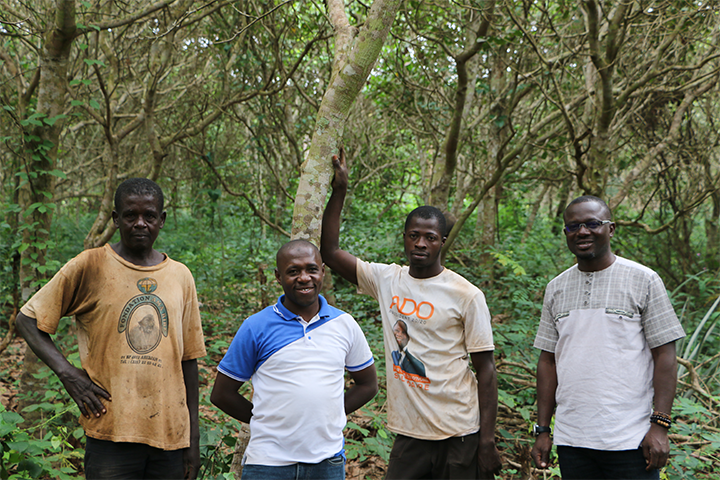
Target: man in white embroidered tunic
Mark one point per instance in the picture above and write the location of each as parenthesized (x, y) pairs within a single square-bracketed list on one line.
[(607, 339)]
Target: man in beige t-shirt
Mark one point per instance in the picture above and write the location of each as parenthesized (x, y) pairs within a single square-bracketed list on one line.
[(139, 337), (443, 414)]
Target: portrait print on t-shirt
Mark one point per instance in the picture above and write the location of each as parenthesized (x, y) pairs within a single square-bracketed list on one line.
[(144, 319), (404, 362)]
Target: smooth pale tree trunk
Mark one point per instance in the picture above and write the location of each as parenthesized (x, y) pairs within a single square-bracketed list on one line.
[(355, 56)]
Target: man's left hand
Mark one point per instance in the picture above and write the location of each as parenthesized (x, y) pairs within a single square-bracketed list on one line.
[(191, 460), (656, 447), (489, 462)]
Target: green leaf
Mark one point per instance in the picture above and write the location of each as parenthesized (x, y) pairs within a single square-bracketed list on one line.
[(34, 119), (51, 121), (94, 104), (357, 427), (77, 103), (91, 62), (33, 469)]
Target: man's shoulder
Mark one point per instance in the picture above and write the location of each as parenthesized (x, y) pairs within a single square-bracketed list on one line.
[(459, 284), (377, 266), (90, 258), (456, 277), (564, 276), (262, 316), (623, 264), (179, 266)]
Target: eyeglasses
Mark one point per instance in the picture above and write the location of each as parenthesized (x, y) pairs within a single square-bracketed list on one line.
[(591, 225)]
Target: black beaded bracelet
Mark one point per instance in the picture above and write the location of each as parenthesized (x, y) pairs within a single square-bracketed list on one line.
[(662, 420)]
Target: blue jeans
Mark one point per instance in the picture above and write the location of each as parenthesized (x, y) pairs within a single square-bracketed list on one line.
[(329, 469), (585, 463), (106, 460)]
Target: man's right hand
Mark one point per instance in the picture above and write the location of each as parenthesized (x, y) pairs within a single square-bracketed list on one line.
[(86, 393), (340, 181), (541, 450)]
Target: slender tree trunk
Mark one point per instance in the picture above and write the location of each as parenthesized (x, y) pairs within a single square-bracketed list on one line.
[(40, 156), (447, 160), (354, 59)]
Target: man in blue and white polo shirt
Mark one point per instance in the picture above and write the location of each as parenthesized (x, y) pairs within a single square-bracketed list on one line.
[(296, 353)]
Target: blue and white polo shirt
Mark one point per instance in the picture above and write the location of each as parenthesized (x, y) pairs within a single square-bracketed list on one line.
[(297, 370)]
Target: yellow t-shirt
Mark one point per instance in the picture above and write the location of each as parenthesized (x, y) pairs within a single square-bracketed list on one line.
[(135, 326), (432, 393)]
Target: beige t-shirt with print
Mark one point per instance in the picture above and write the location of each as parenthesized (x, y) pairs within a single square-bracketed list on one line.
[(135, 327), (446, 318)]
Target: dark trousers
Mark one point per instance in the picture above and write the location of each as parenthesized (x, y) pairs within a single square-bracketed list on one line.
[(585, 463), (454, 457), (106, 460)]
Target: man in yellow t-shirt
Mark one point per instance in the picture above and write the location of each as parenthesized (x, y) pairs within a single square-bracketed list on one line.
[(443, 414), (139, 337)]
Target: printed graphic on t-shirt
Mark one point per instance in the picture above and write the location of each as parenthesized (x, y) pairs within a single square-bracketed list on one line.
[(407, 367), (144, 319), (409, 310)]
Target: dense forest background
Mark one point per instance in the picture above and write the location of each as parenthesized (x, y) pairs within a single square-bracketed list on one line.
[(499, 112)]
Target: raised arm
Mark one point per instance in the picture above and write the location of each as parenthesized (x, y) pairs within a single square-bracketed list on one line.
[(340, 261), (655, 445), (365, 388), (489, 462), (546, 387), (226, 397), (86, 393)]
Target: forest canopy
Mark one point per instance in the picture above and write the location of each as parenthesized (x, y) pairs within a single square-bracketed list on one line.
[(498, 112)]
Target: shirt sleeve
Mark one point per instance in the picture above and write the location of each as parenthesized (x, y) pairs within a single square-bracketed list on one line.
[(478, 329), (660, 323), (547, 335), (193, 338), (359, 355), (58, 298), (241, 358), (367, 280)]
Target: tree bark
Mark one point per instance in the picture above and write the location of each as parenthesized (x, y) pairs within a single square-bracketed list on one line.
[(447, 161), (40, 158), (353, 62)]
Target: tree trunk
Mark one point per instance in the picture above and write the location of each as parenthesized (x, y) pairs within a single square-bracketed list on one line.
[(447, 160), (40, 156), (354, 59)]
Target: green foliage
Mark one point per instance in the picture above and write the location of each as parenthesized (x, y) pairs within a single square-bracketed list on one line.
[(217, 442), (362, 442), (25, 456)]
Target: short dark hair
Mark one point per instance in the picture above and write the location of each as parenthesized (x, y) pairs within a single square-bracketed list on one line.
[(141, 187), (427, 212), (403, 326), (292, 244), (591, 198)]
